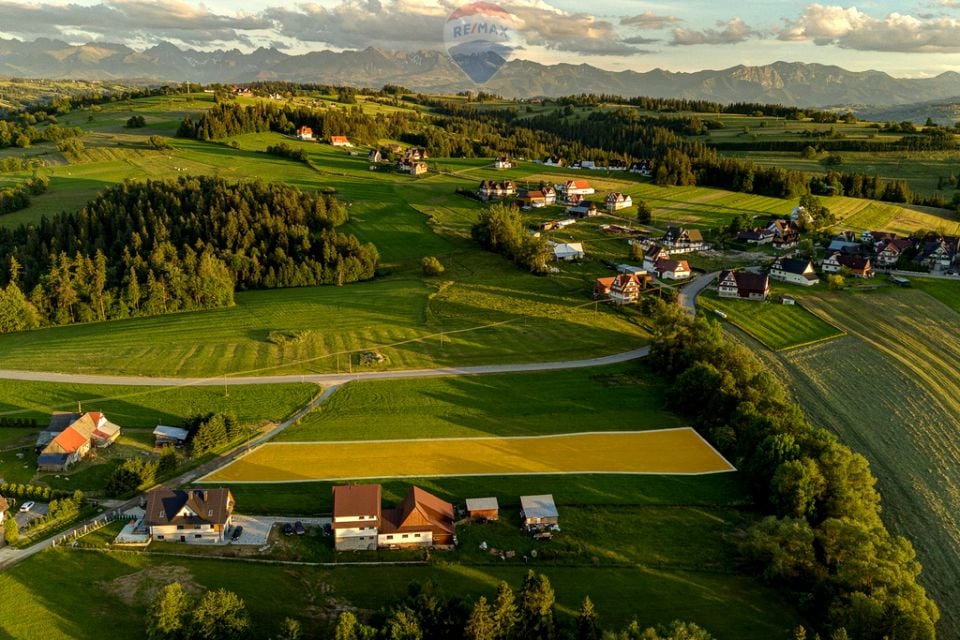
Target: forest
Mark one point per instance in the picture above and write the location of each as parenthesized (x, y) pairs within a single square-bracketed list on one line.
[(146, 248), (822, 538)]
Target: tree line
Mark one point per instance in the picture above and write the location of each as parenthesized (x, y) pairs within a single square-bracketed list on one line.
[(18, 197), (21, 134), (500, 229), (425, 612), (822, 538), (146, 248)]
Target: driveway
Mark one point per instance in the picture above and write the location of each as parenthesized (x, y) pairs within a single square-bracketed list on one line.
[(26, 517), (256, 529)]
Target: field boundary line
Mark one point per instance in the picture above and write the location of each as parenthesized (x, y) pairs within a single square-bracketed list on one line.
[(453, 438)]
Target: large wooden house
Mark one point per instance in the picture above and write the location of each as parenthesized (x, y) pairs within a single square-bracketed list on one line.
[(622, 289), (858, 266), (892, 251), (617, 201), (684, 239), (794, 270), (743, 285), (193, 516), (71, 436), (420, 520)]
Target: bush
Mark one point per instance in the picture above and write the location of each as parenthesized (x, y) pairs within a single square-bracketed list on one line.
[(432, 266), (136, 122), (11, 532)]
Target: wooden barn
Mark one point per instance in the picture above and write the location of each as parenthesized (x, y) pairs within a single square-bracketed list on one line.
[(483, 509)]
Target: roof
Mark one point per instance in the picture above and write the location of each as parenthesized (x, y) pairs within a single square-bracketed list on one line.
[(793, 265), (854, 262), (672, 265), (578, 184), (418, 511), (482, 504), (60, 420), (571, 247), (196, 506), (538, 506), (338, 138), (106, 431), (749, 282), (356, 500), (52, 458), (605, 284), (175, 433), (69, 440)]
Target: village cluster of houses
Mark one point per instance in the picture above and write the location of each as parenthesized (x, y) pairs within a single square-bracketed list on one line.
[(643, 167)]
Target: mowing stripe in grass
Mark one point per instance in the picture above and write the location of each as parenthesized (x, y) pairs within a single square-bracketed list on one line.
[(675, 451)]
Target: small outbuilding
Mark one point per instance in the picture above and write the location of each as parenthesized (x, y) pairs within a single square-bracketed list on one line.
[(483, 509), (169, 436), (538, 511)]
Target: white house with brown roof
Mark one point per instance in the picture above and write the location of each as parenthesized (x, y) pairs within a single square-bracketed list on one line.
[(340, 141), (577, 188), (794, 270), (503, 162), (680, 239), (356, 516), (670, 269), (359, 523), (617, 201), (622, 289), (743, 285), (196, 516), (304, 133)]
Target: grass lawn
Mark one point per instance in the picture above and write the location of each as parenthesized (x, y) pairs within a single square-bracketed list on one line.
[(779, 327), (622, 397), (890, 391)]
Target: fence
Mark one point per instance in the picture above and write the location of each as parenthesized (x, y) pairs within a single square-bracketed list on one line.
[(89, 527)]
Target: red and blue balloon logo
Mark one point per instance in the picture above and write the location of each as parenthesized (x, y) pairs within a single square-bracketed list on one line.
[(480, 38)]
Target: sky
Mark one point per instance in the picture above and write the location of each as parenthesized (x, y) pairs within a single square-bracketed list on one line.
[(906, 38)]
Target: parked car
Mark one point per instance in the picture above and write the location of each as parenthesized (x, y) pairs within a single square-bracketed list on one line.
[(26, 506), (328, 529), (298, 528), (287, 529), (237, 532)]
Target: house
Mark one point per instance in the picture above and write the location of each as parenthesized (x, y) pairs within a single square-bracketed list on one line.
[(583, 209), (415, 153), (788, 240), (553, 161), (340, 141), (891, 252), (483, 509), (680, 238), (192, 516), (420, 520), (653, 255), (71, 436), (375, 156), (672, 269), (394, 148), (794, 270), (533, 199), (643, 168), (756, 236), (858, 266), (356, 516), (568, 252), (844, 246), (741, 284), (304, 133), (617, 165), (169, 436), (621, 289), (617, 201), (937, 253), (412, 167), (4, 506), (503, 162), (493, 190), (538, 512), (549, 193), (577, 188), (588, 164)]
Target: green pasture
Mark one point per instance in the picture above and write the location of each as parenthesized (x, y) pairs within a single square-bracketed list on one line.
[(777, 326)]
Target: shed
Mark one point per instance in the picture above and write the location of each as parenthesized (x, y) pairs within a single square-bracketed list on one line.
[(165, 436), (483, 508), (538, 511)]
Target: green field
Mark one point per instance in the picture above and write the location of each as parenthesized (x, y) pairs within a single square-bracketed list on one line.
[(779, 327), (608, 399), (889, 389)]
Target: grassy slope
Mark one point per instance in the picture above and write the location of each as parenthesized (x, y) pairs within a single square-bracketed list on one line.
[(889, 389)]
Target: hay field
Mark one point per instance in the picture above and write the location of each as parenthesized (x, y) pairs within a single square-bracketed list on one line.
[(667, 451)]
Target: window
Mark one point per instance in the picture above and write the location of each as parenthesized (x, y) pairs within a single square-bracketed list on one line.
[(405, 536), (198, 536), (179, 527), (389, 537), (416, 535), (159, 537)]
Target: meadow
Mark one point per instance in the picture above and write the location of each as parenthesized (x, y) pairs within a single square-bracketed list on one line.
[(889, 389), (779, 327)]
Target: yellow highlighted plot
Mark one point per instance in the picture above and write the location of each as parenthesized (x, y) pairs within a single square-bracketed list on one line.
[(667, 451)]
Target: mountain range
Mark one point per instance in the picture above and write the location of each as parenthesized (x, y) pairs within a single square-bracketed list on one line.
[(788, 83)]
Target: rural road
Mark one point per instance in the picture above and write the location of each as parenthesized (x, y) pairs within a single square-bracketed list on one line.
[(325, 379), (688, 295)]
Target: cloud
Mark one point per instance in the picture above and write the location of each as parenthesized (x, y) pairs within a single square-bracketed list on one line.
[(730, 32), (649, 20), (853, 29)]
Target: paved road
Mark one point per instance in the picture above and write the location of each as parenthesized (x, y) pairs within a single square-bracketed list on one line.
[(325, 379), (689, 293)]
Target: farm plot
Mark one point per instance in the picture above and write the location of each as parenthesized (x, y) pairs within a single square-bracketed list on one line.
[(890, 390), (779, 327), (667, 451)]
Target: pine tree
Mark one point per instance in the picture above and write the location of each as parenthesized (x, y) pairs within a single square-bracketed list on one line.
[(588, 627), (536, 604), (506, 616), (480, 625)]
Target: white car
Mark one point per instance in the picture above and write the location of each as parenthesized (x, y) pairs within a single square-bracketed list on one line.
[(26, 506)]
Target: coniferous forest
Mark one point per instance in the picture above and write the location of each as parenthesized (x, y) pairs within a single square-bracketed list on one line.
[(164, 246)]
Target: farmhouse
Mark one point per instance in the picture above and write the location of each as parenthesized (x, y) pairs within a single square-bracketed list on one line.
[(686, 239), (493, 190), (71, 436), (340, 141), (622, 289), (533, 199), (794, 270), (413, 168), (169, 436), (642, 167), (553, 161), (584, 209), (653, 255), (938, 253), (375, 156), (577, 188), (617, 201), (304, 133), (859, 266), (483, 509), (538, 512), (568, 252), (741, 284), (420, 520), (503, 162), (669, 269), (891, 252), (756, 236), (415, 153), (194, 516)]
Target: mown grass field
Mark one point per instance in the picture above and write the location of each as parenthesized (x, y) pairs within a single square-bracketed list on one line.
[(779, 327), (890, 390), (622, 397), (674, 451)]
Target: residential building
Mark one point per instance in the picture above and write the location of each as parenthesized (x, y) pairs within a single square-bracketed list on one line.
[(503, 162), (617, 201), (537, 512), (494, 190), (652, 256), (937, 253), (583, 209), (412, 167), (744, 285), (890, 254), (643, 168), (4, 506), (568, 252), (858, 266), (553, 161), (533, 199), (304, 133), (356, 516), (340, 141), (577, 188), (420, 520), (669, 269), (794, 270), (375, 156), (415, 153), (680, 238), (549, 194), (71, 436), (169, 436), (621, 289), (193, 516), (756, 236), (483, 509)]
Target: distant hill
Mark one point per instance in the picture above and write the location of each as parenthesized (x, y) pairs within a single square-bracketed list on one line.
[(790, 83)]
